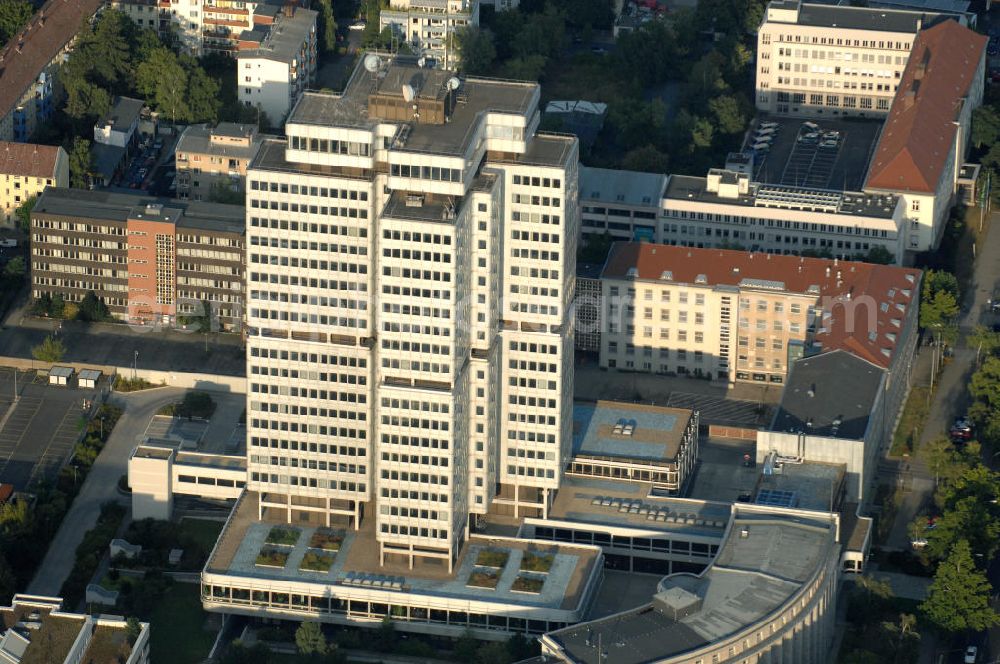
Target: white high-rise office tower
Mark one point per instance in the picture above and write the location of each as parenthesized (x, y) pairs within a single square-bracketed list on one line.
[(410, 262)]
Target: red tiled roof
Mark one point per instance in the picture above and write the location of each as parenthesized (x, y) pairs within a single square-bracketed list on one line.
[(863, 288), (919, 131), (48, 31), (28, 159)]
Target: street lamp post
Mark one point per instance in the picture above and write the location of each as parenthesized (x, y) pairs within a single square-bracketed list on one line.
[(135, 360)]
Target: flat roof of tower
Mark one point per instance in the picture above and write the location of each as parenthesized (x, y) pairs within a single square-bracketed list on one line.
[(628, 430)]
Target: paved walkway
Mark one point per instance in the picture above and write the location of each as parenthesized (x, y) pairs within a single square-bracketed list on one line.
[(951, 396), (100, 486)]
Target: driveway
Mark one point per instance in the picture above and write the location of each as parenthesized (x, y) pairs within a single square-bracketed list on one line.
[(100, 486), (951, 397)]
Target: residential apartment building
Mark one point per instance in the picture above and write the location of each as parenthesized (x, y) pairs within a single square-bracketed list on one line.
[(206, 156), (832, 59), (408, 185), (276, 62), (30, 61), (26, 170), (150, 260), (923, 144), (200, 26), (38, 629), (429, 26), (747, 317)]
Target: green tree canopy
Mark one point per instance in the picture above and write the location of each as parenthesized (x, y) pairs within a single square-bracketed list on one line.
[(969, 512), (203, 101), (309, 639), (81, 163), (646, 158), (93, 308), (959, 596), (23, 213), (326, 26), (14, 268), (476, 50), (730, 116), (14, 15), (985, 126), (163, 81), (50, 350)]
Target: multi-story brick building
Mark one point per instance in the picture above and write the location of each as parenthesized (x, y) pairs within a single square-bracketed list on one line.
[(206, 156), (26, 170), (742, 316), (150, 260), (374, 236)]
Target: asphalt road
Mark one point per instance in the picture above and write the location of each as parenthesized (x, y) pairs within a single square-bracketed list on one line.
[(100, 486)]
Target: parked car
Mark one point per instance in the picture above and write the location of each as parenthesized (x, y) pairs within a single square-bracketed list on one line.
[(360, 24), (994, 300), (828, 144), (971, 655), (961, 430)]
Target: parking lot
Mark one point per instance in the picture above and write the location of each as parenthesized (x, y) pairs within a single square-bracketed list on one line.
[(816, 153), (39, 433)]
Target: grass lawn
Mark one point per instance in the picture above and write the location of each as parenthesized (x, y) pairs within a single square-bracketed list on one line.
[(911, 423), (177, 633), (528, 584), (202, 531), (537, 562), (492, 558), (483, 578)]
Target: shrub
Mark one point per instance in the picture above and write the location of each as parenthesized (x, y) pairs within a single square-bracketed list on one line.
[(484, 578), (327, 540), (271, 557), (528, 584), (316, 562), (283, 536), (492, 558), (537, 562), (125, 384)]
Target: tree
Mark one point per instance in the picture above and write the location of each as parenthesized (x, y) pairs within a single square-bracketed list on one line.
[(645, 158), (476, 50), (873, 587), (940, 456), (386, 636), (969, 513), (326, 26), (222, 192), (81, 164), (163, 81), (465, 647), (237, 653), (93, 308), (50, 350), (959, 596), (14, 15), (985, 126), (23, 213), (309, 639), (729, 113), (984, 340), (878, 254), (493, 653), (202, 96), (14, 268), (58, 306), (133, 628)]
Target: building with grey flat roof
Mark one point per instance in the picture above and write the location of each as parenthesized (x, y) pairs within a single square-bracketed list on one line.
[(196, 249), (217, 157), (622, 204), (635, 442), (833, 410), (769, 594)]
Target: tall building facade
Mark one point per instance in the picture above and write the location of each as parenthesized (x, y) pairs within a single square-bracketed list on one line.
[(410, 260)]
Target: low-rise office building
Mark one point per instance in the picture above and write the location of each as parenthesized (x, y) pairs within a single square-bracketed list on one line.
[(150, 260), (742, 316), (209, 157), (276, 61), (769, 595), (622, 204), (429, 26), (26, 170), (116, 138), (38, 629), (833, 59)]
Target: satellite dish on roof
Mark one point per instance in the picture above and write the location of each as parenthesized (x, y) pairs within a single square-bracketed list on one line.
[(408, 92), (453, 83), (372, 62)]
